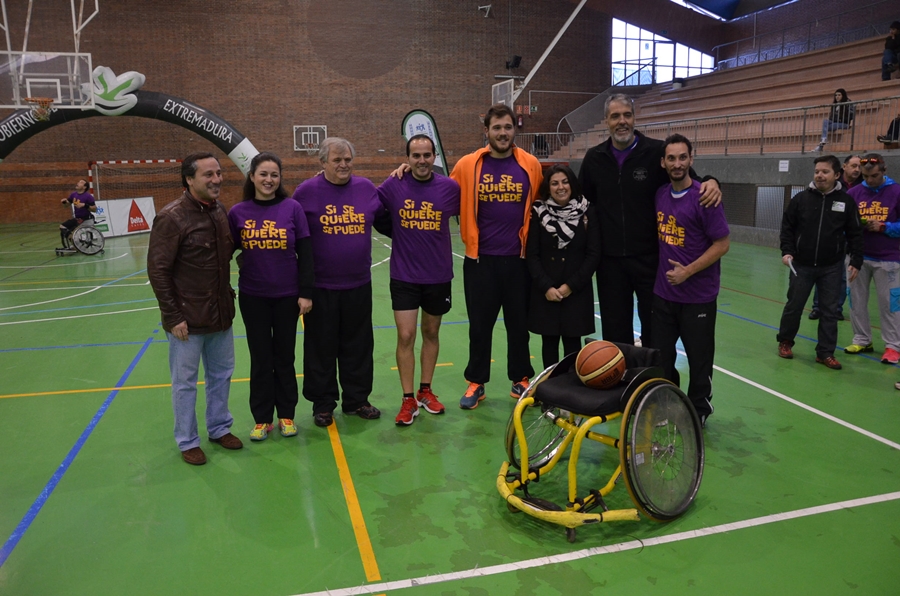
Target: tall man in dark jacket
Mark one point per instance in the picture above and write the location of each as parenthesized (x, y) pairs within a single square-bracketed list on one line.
[(188, 266), (820, 225), (620, 178)]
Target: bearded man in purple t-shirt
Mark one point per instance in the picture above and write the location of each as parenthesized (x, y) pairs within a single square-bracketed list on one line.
[(692, 239)]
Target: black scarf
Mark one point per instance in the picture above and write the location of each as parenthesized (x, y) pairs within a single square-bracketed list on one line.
[(561, 221)]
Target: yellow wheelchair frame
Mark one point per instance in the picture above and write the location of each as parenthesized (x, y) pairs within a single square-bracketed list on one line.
[(660, 443)]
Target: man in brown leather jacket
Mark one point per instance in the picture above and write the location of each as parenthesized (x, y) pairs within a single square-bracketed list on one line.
[(188, 266)]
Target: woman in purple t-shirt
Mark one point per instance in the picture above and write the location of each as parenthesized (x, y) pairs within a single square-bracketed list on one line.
[(275, 285)]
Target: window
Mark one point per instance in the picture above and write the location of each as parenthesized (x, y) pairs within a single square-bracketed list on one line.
[(641, 57)]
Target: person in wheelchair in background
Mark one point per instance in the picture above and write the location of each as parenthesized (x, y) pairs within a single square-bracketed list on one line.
[(84, 208)]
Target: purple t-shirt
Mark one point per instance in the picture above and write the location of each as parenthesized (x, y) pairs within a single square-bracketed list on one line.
[(84, 211), (266, 233), (504, 185), (622, 154), (686, 230), (883, 205), (340, 224), (420, 217)]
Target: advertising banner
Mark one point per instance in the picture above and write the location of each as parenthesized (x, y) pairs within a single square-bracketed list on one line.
[(420, 122), (122, 217)]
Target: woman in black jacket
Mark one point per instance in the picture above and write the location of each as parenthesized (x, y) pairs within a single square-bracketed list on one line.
[(562, 252), (840, 117)]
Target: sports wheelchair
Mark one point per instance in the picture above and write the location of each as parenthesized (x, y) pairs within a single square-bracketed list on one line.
[(85, 238), (660, 443)]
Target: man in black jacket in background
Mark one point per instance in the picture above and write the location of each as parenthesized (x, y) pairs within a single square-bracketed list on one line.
[(620, 178), (820, 225)]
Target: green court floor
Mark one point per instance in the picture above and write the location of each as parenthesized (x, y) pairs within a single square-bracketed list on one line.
[(800, 494)]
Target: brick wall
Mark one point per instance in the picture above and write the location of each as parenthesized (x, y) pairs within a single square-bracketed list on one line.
[(357, 66)]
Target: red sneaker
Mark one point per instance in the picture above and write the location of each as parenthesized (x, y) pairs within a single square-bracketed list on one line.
[(428, 400), (408, 412), (890, 356)]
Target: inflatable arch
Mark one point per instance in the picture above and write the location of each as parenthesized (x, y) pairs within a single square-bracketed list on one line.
[(121, 95)]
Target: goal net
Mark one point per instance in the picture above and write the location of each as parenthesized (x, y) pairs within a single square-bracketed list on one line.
[(160, 179)]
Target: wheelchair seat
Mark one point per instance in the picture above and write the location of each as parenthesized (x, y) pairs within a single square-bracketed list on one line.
[(566, 391)]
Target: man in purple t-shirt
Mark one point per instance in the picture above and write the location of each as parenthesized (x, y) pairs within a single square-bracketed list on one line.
[(692, 239), (340, 211), (84, 209), (420, 206), (878, 202)]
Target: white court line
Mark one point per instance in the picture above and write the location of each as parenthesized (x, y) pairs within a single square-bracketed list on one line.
[(806, 407), (380, 262), (460, 256), (94, 289), (92, 261), (605, 550), (74, 288), (97, 314), (381, 242)]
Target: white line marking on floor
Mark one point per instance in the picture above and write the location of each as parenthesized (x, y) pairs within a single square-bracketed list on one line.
[(91, 262), (808, 408), (380, 262), (605, 550), (97, 314), (146, 283), (94, 289)]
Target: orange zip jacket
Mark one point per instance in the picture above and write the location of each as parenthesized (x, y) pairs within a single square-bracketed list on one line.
[(467, 173)]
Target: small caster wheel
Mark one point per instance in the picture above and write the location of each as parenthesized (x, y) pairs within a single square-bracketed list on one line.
[(512, 508), (570, 534)]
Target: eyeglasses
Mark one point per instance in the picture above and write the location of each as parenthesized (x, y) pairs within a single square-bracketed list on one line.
[(870, 160)]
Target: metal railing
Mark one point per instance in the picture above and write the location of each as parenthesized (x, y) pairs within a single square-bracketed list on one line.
[(852, 25), (635, 77), (795, 130)]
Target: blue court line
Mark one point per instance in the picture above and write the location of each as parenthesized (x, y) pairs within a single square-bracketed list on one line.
[(35, 508), (811, 339)]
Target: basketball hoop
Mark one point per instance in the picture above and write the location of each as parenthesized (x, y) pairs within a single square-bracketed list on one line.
[(40, 108)]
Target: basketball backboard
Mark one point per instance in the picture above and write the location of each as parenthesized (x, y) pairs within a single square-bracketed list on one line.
[(308, 136), (502, 92), (55, 75)]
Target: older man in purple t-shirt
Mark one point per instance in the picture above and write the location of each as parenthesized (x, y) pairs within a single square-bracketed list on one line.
[(420, 206), (340, 210), (692, 239)]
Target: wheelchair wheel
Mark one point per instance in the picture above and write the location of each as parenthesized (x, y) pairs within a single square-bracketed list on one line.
[(88, 240), (661, 450), (541, 432)]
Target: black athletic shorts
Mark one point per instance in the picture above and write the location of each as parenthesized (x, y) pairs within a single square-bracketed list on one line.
[(432, 298)]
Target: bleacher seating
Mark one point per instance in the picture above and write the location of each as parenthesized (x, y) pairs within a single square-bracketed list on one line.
[(807, 79)]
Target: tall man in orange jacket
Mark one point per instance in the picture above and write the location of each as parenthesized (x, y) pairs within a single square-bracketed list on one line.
[(498, 184)]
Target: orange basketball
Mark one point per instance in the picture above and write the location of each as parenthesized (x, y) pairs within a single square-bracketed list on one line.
[(600, 365)]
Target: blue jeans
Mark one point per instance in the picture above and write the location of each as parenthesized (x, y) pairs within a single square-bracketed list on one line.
[(829, 125), (890, 57), (217, 352), (827, 280)]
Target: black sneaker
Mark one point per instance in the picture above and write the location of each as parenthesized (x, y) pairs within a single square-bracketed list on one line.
[(705, 415), (323, 418), (366, 412), (814, 314)]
